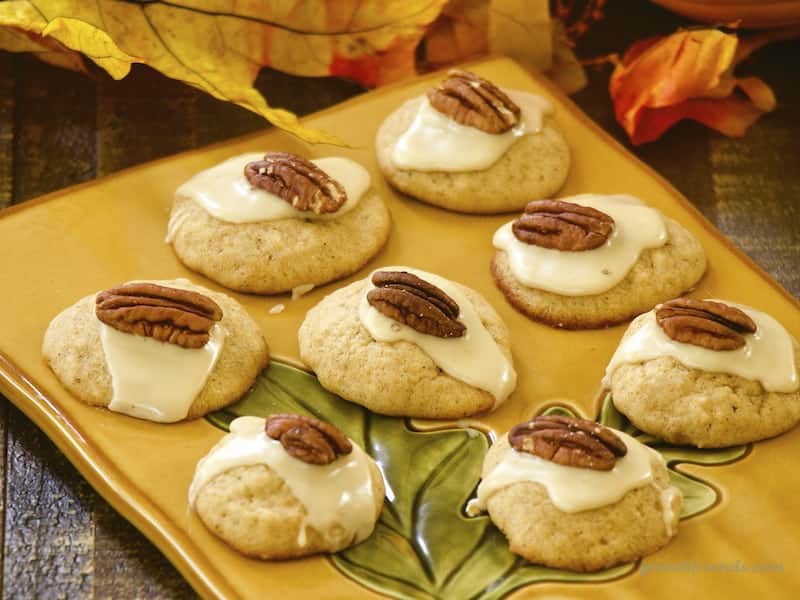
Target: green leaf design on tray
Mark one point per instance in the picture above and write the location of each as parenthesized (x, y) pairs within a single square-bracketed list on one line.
[(424, 545)]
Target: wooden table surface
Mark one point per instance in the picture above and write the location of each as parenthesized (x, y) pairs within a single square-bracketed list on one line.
[(58, 128)]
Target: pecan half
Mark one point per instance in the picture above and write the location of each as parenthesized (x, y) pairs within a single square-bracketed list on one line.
[(474, 101), (298, 181), (308, 439), (569, 441), (704, 323), (180, 317), (413, 301), (561, 225)]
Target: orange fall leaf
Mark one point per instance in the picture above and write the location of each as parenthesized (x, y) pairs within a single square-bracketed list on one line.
[(688, 75)]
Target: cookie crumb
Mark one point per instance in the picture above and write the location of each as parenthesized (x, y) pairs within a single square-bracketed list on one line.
[(473, 508), (277, 309), (301, 290)]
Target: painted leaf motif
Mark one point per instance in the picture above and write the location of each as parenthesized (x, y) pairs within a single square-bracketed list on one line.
[(219, 46), (424, 545)]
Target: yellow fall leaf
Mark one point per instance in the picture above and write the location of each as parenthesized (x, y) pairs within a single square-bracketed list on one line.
[(95, 43), (459, 33), (566, 70), (220, 45), (522, 29), (49, 51)]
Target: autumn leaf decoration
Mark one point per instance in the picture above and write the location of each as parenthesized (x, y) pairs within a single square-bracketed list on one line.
[(689, 75), (219, 46)]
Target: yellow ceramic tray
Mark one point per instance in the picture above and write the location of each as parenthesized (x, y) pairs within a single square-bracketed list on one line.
[(93, 236)]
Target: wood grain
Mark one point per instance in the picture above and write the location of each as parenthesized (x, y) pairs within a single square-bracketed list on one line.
[(54, 129), (60, 539), (757, 185), (6, 128), (48, 522)]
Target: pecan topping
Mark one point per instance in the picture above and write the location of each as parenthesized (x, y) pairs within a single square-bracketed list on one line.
[(711, 325), (473, 101), (308, 439), (569, 441), (298, 181), (563, 226), (421, 305), (180, 317)]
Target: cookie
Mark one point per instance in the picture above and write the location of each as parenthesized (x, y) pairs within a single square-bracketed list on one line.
[(426, 369), (689, 394), (577, 517), (155, 372), (427, 154), (262, 497), (251, 239), (558, 292)]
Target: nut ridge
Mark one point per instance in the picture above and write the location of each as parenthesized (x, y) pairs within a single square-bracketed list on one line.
[(704, 323), (561, 225), (307, 438), (569, 441), (176, 316), (298, 181), (411, 300), (473, 101)]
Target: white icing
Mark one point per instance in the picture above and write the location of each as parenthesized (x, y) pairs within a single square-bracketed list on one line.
[(338, 494), (226, 194), (637, 227), (667, 497), (573, 489), (154, 380), (435, 142), (474, 358), (176, 221), (767, 356)]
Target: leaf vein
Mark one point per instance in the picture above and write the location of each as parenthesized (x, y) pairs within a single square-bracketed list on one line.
[(289, 28), (423, 556), (169, 50)]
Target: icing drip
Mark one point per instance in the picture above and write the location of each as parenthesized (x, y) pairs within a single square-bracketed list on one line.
[(474, 358), (573, 489), (226, 194), (767, 356), (338, 494), (637, 227), (435, 142)]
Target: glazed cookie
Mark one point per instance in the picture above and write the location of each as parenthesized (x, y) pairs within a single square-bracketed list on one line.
[(470, 147), (287, 487), (572, 494), (161, 350), (707, 373), (591, 261), (405, 342), (270, 223)]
